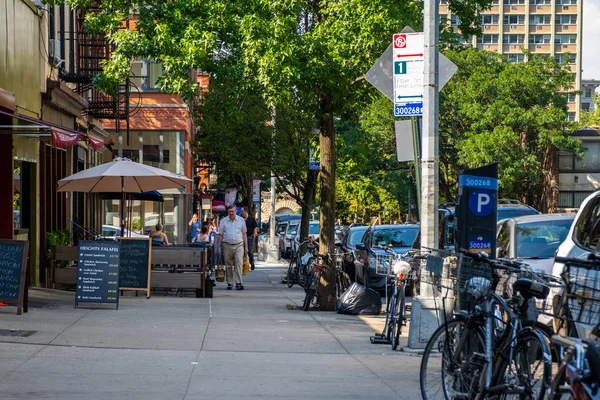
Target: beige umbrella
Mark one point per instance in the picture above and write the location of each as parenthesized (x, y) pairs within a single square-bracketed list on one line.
[(122, 175)]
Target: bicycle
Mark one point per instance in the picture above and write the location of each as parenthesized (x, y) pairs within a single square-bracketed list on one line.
[(342, 279), (316, 269), (578, 375), (397, 270), (298, 268), (488, 352)]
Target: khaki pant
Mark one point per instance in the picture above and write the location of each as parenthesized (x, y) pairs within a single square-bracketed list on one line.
[(234, 259)]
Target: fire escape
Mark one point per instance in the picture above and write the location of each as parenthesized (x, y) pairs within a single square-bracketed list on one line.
[(92, 49)]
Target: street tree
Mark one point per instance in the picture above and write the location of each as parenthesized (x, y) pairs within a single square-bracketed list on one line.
[(512, 113), (316, 48), (591, 118)]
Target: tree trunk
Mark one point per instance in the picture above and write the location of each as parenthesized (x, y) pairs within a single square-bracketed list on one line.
[(326, 292), (308, 198)]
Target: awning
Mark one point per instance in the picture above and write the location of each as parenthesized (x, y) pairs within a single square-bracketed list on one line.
[(61, 136)]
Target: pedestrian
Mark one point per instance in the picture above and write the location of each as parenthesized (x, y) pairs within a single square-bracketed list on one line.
[(251, 233), (194, 227), (232, 233), (204, 235)]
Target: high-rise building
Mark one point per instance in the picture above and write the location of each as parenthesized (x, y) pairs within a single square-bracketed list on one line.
[(550, 27)]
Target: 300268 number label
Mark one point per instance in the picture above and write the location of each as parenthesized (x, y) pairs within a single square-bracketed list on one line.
[(479, 182)]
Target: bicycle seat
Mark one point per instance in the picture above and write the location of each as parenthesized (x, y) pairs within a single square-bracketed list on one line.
[(593, 356), (529, 288)]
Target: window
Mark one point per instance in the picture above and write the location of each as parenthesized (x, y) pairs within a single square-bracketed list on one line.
[(571, 59), (585, 106), (566, 19), (565, 2), (454, 20), (565, 39), (489, 20), (144, 74), (587, 226), (540, 19), (588, 92), (539, 39), (574, 77), (571, 97), (515, 58), (534, 2), (571, 199), (485, 39), (566, 161), (503, 239), (571, 116), (513, 2), (443, 2), (513, 39), (589, 163), (514, 19)]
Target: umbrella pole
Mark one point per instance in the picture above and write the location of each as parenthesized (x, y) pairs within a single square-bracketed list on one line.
[(122, 206)]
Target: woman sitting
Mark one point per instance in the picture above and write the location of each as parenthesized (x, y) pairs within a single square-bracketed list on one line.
[(204, 235), (159, 234)]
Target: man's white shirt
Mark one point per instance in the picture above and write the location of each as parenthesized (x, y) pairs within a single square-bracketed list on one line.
[(232, 231)]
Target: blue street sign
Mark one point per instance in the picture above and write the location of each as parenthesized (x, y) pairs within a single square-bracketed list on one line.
[(482, 202), (408, 109)]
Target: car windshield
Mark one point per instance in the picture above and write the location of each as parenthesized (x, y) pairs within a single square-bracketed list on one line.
[(508, 213), (292, 229), (541, 239), (356, 236), (313, 229), (280, 228), (395, 237)]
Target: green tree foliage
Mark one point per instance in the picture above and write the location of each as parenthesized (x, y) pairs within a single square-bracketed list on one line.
[(515, 114), (370, 181), (591, 118), (232, 129)]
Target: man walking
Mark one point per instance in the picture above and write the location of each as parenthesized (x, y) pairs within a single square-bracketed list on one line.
[(232, 232), (251, 233)]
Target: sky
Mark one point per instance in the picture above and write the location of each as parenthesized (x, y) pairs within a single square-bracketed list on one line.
[(591, 39)]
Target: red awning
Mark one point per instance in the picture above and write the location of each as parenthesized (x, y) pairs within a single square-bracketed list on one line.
[(218, 206)]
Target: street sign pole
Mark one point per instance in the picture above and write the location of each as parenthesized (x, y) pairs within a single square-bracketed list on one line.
[(424, 308)]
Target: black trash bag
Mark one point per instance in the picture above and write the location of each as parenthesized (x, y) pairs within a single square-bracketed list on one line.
[(358, 299)]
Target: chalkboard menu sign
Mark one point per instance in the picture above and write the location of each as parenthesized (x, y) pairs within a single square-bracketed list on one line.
[(13, 267), (98, 272), (135, 264)]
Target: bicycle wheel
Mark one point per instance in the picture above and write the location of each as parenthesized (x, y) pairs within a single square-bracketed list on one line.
[(387, 328), (292, 274), (530, 368), (342, 282), (399, 318), (452, 364)]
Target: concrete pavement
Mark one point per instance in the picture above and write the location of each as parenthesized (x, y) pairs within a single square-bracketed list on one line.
[(239, 345)]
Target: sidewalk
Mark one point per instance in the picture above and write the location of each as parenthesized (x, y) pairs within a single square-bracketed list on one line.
[(238, 345)]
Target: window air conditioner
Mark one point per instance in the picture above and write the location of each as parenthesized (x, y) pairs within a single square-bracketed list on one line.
[(539, 7), (539, 46), (565, 7), (539, 28), (565, 27), (513, 7), (54, 56), (514, 46), (486, 27), (486, 46), (565, 46), (513, 27)]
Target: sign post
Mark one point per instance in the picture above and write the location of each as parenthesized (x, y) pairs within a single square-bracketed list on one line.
[(408, 74), (13, 265), (135, 261)]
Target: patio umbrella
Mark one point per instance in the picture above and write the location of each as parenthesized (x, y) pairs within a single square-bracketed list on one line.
[(122, 175)]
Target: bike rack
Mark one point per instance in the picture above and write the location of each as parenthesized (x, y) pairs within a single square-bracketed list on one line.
[(378, 338)]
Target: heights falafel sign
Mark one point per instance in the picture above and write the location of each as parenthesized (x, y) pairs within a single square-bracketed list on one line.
[(98, 272)]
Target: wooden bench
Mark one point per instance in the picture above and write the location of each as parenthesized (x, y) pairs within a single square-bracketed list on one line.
[(162, 276)]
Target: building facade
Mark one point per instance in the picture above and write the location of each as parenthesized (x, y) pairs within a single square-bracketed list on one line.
[(588, 88), (549, 27)]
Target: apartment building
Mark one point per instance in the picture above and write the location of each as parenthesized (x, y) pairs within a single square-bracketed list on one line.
[(588, 88), (550, 27)]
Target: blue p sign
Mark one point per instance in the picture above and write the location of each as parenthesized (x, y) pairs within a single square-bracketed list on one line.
[(481, 202)]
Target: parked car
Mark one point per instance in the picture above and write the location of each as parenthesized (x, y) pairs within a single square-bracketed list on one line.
[(313, 231), (351, 238), (110, 232), (401, 237), (582, 240), (533, 239), (280, 231), (290, 232)]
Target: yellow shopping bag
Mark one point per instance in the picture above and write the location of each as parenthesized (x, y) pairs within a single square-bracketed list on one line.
[(246, 266)]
